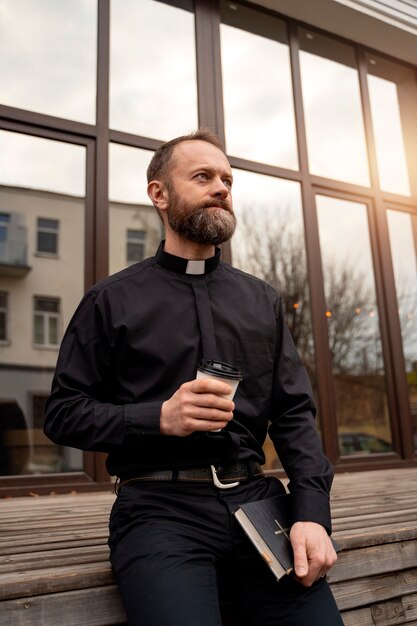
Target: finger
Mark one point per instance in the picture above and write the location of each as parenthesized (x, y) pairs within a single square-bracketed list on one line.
[(214, 426), (210, 385), (209, 414), (212, 401), (300, 560)]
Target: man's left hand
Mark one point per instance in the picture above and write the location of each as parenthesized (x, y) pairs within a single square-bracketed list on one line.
[(313, 551)]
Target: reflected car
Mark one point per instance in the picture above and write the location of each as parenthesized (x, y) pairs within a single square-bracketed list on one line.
[(362, 443)]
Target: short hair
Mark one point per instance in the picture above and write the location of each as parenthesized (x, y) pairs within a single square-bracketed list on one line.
[(161, 161)]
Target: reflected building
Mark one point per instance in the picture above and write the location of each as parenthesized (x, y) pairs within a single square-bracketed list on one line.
[(42, 274), (317, 111)]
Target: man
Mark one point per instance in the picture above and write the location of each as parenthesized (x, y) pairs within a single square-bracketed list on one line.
[(126, 384)]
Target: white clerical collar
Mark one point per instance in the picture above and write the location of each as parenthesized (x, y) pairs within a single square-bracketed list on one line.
[(196, 267), (186, 266)]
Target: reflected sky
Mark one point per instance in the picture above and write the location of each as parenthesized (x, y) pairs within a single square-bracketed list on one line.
[(48, 64), (269, 243), (263, 201), (344, 236), (392, 165), (48, 56), (153, 86), (38, 163), (352, 313), (127, 174), (258, 105), (334, 124), (405, 273), (251, 190)]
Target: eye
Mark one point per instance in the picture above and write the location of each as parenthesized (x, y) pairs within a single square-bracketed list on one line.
[(228, 182), (201, 176)]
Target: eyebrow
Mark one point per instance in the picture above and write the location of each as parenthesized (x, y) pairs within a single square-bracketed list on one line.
[(211, 169)]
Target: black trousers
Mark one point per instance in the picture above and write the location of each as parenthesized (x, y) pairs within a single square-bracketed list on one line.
[(177, 551)]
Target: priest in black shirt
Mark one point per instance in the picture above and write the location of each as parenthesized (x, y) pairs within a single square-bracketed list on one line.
[(184, 455)]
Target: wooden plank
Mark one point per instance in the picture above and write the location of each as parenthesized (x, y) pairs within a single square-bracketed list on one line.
[(358, 538), (53, 540), (64, 539), (363, 591), (375, 523), (97, 606), (398, 611), (46, 559), (54, 579), (374, 560)]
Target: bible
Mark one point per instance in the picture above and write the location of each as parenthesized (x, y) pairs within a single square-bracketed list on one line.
[(267, 524)]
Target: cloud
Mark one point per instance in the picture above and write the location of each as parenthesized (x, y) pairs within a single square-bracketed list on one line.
[(48, 57)]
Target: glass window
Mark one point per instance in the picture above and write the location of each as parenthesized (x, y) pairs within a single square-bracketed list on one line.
[(47, 236), (4, 227), (42, 184), (130, 208), (269, 243), (46, 322), (404, 260), (392, 90), (4, 311), (353, 327), (48, 57), (153, 84), (257, 87), (333, 116), (135, 245)]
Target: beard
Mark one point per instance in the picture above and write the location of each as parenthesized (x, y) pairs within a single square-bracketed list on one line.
[(199, 224)]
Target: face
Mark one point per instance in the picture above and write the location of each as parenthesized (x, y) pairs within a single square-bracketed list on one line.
[(199, 194)]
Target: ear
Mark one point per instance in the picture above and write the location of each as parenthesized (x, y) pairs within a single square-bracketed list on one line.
[(158, 194)]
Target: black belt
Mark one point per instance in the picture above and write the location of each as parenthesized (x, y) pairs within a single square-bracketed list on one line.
[(223, 477)]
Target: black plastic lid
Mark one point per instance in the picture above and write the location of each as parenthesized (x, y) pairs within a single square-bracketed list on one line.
[(220, 369)]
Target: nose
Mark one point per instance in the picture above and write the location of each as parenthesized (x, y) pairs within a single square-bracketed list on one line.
[(220, 189)]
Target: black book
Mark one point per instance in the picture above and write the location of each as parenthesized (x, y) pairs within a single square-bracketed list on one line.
[(267, 523)]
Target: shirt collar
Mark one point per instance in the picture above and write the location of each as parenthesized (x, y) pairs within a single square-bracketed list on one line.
[(184, 266)]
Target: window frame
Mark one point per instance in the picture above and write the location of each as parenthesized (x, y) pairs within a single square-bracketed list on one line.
[(96, 139), (5, 310), (137, 242), (47, 320), (47, 231)]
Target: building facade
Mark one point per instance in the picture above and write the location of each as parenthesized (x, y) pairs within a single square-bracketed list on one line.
[(316, 103)]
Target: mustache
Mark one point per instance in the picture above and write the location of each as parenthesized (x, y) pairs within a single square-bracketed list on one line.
[(221, 204)]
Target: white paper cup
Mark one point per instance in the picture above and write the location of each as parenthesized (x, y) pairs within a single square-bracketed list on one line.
[(220, 371)]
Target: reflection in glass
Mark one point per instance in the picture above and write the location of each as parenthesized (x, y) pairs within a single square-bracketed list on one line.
[(153, 85), (48, 57), (135, 228), (333, 116), (41, 194), (404, 260), (257, 87), (389, 82), (269, 243), (353, 327)]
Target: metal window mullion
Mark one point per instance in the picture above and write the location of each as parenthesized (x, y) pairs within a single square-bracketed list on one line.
[(101, 162), (323, 362), (390, 328)]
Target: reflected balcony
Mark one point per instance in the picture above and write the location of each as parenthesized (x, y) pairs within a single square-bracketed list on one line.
[(13, 259)]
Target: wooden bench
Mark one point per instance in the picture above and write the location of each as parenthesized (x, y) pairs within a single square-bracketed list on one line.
[(54, 558)]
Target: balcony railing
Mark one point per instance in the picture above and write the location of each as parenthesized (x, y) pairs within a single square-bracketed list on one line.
[(13, 258)]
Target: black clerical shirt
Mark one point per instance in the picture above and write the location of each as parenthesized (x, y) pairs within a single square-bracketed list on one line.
[(139, 334)]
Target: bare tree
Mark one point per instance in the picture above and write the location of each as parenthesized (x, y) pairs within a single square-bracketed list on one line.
[(274, 250)]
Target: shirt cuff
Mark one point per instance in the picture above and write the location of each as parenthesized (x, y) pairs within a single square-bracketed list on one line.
[(309, 505), (142, 419)]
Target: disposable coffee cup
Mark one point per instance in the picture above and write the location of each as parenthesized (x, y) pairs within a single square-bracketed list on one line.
[(221, 371)]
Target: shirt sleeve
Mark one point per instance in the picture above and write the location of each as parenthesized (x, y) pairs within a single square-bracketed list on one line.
[(294, 433), (79, 411)]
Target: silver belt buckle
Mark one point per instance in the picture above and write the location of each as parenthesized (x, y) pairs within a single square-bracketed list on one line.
[(217, 482)]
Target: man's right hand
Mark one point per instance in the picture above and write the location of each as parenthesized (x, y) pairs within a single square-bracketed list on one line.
[(198, 405)]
